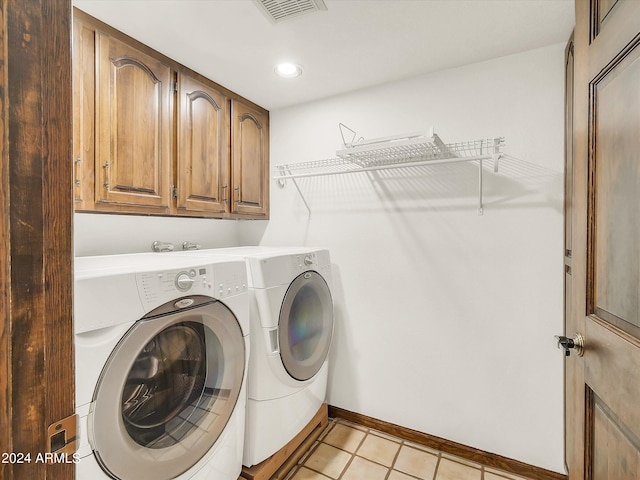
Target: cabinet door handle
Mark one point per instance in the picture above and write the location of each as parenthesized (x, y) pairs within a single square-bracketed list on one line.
[(76, 169), (237, 196), (225, 195)]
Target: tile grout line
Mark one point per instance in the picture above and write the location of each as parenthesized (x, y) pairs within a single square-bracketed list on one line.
[(435, 472), (307, 456), (438, 455), (323, 436), (389, 468), (353, 455), (367, 431), (395, 458)]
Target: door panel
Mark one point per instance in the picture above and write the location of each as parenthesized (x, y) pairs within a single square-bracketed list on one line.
[(615, 194), (133, 119), (612, 417), (603, 386), (203, 153), (601, 11), (249, 160), (618, 443)]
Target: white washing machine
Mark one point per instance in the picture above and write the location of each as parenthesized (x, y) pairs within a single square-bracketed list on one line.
[(162, 347), (292, 326)]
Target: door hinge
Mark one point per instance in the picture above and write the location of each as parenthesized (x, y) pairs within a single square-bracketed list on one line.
[(62, 435), (175, 87)]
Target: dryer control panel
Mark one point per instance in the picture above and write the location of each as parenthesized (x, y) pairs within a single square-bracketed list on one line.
[(271, 269), (304, 262)]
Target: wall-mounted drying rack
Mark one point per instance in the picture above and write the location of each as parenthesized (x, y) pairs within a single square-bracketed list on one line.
[(399, 151)]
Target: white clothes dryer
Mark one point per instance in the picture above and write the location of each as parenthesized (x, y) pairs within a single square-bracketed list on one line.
[(292, 326), (162, 347)]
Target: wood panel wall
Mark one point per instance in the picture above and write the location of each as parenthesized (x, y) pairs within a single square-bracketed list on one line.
[(36, 332), (5, 271)]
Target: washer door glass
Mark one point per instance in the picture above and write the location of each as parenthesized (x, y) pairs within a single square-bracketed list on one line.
[(305, 325), (167, 392)]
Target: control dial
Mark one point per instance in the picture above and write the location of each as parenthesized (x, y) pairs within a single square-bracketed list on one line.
[(184, 282), (308, 261)]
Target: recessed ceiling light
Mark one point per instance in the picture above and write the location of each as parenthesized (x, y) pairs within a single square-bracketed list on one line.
[(288, 70)]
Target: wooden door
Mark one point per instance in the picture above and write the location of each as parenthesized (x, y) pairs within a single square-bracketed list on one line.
[(203, 147), (133, 120), (603, 388), (249, 160)]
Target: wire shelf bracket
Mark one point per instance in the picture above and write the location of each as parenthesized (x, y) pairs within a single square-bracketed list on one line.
[(400, 151)]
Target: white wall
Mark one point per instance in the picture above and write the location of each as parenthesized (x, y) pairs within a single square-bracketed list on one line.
[(102, 234), (445, 319)]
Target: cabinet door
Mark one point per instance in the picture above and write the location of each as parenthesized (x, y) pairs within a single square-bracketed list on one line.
[(133, 148), (203, 147), (249, 161), (83, 114)]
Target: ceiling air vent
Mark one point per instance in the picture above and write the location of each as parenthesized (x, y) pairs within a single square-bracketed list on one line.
[(280, 10)]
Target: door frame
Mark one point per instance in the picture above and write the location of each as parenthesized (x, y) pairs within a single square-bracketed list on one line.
[(36, 254)]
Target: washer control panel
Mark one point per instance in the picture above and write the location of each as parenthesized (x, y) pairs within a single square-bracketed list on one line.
[(185, 280), (217, 281)]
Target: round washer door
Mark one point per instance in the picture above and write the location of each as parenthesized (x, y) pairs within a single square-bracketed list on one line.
[(167, 392), (305, 325)]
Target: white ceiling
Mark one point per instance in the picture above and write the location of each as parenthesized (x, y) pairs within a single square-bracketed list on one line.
[(354, 44)]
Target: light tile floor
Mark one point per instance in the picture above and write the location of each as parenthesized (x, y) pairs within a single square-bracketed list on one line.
[(347, 451)]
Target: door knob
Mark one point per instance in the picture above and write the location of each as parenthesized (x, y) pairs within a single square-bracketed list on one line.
[(576, 343)]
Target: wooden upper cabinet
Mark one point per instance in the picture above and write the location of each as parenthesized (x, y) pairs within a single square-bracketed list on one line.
[(134, 124), (249, 160), (144, 124), (203, 147)]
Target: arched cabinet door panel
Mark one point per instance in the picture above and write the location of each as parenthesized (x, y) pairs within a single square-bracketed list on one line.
[(249, 160), (133, 120), (203, 147)]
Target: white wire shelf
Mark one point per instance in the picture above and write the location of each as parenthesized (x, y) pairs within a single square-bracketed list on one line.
[(396, 152)]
